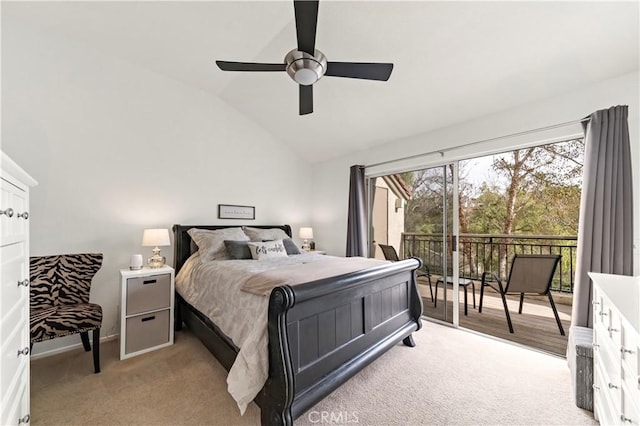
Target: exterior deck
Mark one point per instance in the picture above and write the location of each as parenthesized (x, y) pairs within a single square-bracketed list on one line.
[(535, 327)]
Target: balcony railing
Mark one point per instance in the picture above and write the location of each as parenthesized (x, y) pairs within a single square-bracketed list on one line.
[(493, 253)]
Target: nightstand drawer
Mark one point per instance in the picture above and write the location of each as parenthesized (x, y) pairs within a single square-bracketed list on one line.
[(147, 330), (148, 293)]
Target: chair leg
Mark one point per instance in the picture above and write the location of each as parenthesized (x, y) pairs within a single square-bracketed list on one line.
[(555, 312), (473, 288), (431, 290), (521, 302), (408, 341), (85, 340), (481, 297), (96, 350), (465, 300), (506, 311), (435, 300)]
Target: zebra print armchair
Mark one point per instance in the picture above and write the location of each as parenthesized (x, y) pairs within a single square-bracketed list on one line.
[(59, 299)]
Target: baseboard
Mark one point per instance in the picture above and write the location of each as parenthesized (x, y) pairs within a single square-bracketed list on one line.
[(70, 347)]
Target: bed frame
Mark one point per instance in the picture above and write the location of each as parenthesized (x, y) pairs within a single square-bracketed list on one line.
[(321, 333)]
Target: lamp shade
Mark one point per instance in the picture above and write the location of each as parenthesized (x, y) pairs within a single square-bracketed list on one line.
[(155, 238), (306, 233)]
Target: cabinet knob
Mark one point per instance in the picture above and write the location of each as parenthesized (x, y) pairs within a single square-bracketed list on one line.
[(595, 302), (625, 350), (625, 419), (612, 330), (8, 212), (612, 386), (595, 387), (595, 345), (25, 351), (24, 420), (24, 215), (603, 314), (24, 282)]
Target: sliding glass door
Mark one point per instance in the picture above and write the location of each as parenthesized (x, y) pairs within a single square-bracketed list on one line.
[(416, 214)]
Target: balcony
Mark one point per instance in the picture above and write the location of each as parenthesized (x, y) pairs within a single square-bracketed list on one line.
[(478, 253)]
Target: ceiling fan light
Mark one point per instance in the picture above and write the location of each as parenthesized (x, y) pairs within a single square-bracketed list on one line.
[(305, 76), (305, 69)]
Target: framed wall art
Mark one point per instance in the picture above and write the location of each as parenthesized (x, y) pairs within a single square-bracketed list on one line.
[(230, 211)]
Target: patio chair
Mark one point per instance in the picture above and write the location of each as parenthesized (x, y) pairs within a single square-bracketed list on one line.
[(530, 274), (391, 254)]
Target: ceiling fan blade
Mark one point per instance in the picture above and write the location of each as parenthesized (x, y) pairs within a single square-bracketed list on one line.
[(306, 23), (249, 66), (364, 70), (306, 99)]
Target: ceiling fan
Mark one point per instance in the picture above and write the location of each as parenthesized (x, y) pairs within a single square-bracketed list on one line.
[(306, 65)]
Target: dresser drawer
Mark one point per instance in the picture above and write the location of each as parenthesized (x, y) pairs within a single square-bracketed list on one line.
[(148, 293), (147, 330), (13, 365)]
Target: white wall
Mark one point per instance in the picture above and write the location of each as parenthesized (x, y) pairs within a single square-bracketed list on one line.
[(116, 149), (331, 178)]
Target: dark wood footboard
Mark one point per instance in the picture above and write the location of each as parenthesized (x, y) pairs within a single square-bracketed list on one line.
[(324, 332), (321, 333)]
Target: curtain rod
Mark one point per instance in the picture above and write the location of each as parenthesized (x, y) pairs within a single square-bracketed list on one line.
[(443, 150)]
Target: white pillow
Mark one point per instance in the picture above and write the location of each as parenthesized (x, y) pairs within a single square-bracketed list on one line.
[(259, 234), (267, 249), (211, 242)]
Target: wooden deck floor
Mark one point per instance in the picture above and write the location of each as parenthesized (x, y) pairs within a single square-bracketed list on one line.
[(535, 327)]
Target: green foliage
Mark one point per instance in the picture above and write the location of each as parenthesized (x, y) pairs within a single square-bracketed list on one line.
[(533, 191)]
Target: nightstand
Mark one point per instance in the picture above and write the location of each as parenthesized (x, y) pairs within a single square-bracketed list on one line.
[(146, 310), (317, 251)]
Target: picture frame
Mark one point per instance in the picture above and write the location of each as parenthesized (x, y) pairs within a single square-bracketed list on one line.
[(232, 211)]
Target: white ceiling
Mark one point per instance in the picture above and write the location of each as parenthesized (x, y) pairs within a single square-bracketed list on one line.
[(453, 61)]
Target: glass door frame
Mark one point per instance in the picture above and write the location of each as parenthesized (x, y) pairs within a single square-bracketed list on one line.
[(453, 236)]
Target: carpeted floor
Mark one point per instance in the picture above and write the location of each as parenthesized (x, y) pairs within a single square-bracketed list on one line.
[(450, 377)]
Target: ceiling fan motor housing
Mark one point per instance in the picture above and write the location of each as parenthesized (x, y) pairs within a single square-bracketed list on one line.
[(305, 69)]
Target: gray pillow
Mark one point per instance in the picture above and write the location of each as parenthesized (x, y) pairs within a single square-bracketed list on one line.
[(290, 246), (238, 249)]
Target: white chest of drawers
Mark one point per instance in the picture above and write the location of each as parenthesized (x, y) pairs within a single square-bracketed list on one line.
[(616, 355), (146, 310), (14, 293)]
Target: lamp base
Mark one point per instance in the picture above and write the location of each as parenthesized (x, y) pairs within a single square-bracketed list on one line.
[(156, 261), (305, 245)]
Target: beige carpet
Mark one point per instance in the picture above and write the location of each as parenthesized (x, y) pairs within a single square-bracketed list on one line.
[(450, 377)]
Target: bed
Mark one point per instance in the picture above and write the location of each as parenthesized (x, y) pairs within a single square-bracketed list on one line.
[(320, 333)]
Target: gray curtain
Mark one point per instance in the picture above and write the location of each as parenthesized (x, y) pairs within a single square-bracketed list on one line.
[(605, 230), (357, 214)]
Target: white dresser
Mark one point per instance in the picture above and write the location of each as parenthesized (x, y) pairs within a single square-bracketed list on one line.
[(14, 293), (616, 344)]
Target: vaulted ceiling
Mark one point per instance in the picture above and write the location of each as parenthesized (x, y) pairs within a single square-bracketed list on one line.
[(454, 61)]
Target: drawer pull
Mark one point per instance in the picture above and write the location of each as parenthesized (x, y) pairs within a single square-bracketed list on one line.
[(595, 387), (8, 212), (24, 215), (624, 419), (25, 419), (25, 351), (595, 302), (603, 314), (595, 345), (612, 386), (612, 330), (148, 318), (149, 282), (625, 350), (24, 282)]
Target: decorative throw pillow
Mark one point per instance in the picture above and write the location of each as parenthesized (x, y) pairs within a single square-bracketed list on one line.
[(258, 234), (267, 249), (237, 249), (289, 246), (211, 242)]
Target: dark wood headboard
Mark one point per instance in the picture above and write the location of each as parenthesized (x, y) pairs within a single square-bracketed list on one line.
[(182, 240)]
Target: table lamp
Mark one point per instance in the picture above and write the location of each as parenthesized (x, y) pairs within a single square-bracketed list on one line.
[(306, 234), (156, 238)]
